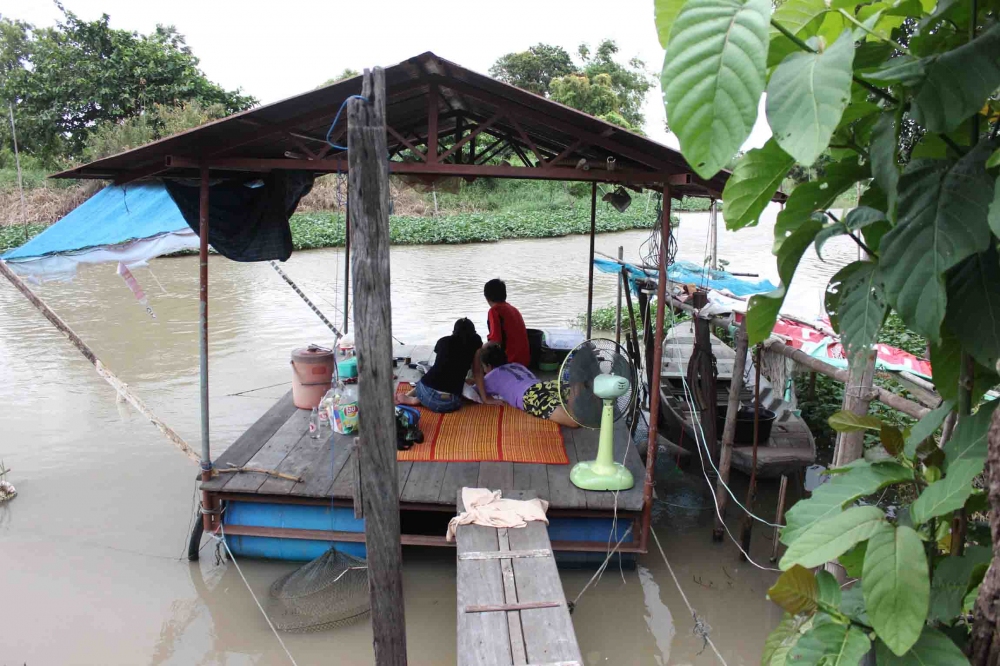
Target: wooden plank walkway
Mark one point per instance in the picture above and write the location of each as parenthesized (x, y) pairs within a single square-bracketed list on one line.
[(279, 441), (511, 610)]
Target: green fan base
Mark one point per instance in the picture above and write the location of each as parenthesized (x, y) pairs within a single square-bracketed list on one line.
[(592, 475)]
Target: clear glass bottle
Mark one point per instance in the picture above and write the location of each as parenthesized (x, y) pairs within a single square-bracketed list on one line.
[(314, 423)]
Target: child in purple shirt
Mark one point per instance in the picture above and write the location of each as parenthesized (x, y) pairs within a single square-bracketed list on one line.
[(518, 387)]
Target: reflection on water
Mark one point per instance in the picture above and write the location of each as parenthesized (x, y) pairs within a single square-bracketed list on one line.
[(92, 547)]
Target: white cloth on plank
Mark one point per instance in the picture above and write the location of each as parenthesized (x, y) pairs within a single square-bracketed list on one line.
[(487, 507)]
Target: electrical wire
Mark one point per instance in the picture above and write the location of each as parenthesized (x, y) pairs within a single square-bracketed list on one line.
[(337, 117)]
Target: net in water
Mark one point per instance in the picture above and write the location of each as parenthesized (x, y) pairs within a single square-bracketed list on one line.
[(331, 591)]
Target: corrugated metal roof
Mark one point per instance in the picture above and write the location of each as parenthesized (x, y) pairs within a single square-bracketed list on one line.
[(296, 127)]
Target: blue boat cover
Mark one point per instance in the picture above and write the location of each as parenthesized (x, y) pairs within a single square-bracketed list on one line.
[(688, 273), (113, 216)]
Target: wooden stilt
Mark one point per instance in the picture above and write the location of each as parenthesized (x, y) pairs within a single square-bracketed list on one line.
[(590, 264), (701, 369), (368, 194), (746, 530), (729, 432), (779, 516), (618, 301)]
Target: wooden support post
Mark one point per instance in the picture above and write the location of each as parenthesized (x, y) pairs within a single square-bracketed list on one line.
[(618, 301), (368, 194), (590, 263), (647, 337), (729, 432), (857, 397), (347, 264), (702, 366), (713, 220), (654, 384), (779, 517), (432, 123), (206, 448), (746, 530)]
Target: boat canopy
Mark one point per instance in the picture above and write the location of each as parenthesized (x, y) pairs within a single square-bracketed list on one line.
[(125, 224)]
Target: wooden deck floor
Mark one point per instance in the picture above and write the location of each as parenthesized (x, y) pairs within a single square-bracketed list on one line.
[(279, 441)]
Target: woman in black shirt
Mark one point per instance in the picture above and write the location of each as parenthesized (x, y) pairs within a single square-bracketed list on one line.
[(440, 390)]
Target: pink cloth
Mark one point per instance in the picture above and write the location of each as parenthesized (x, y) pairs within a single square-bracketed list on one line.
[(487, 507)]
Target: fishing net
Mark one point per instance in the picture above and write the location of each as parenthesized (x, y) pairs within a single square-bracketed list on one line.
[(329, 592)]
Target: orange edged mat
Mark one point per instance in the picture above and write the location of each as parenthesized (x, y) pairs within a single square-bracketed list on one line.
[(486, 433)]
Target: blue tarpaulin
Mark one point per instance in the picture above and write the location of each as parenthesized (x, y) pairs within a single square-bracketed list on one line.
[(128, 224), (688, 273)]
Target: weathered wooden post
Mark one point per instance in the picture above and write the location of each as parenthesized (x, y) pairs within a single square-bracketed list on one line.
[(702, 366), (368, 197), (590, 266), (746, 529), (857, 397), (618, 302), (729, 431)]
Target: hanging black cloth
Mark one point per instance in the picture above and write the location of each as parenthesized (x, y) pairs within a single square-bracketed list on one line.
[(248, 219)]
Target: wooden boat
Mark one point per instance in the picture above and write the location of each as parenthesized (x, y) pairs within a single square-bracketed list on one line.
[(789, 448)]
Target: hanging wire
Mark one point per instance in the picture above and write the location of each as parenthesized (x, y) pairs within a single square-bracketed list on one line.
[(337, 117)]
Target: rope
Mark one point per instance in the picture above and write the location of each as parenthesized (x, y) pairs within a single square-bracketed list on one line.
[(600, 570), (337, 117), (222, 540), (701, 628)]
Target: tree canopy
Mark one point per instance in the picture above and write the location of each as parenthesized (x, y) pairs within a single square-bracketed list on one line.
[(600, 86), (66, 80)]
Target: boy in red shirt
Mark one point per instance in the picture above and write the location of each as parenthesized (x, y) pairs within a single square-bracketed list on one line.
[(506, 327)]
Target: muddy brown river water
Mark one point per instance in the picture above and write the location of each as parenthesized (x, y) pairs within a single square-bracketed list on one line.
[(91, 551)]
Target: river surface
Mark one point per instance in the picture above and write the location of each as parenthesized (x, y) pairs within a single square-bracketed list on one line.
[(91, 551)]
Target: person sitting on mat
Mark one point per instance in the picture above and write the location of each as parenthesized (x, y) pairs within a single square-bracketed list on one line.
[(505, 324), (517, 387), (440, 390)]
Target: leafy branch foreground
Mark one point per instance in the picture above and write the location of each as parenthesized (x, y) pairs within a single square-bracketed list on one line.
[(901, 97)]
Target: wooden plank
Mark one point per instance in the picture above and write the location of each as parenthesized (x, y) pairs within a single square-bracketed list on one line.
[(326, 465), (532, 476), (506, 554), (480, 582), (562, 493), (249, 443), (343, 484), (548, 632), (403, 468), (499, 608), (515, 632), (458, 475), (424, 482), (271, 454), (497, 476), (299, 462)]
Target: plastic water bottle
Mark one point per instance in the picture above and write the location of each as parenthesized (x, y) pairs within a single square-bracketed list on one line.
[(314, 423)]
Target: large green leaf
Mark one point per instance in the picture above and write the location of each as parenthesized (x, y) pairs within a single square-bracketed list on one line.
[(780, 641), (763, 309), (952, 580), (941, 220), (802, 18), (858, 479), (903, 69), (795, 591), (897, 586), (965, 455), (974, 306), (755, 179), (946, 359), (713, 77), (926, 427), (806, 97), (933, 648), (958, 83), (857, 305), (831, 538), (883, 155), (852, 603), (847, 421), (664, 13), (854, 559), (816, 196), (830, 644)]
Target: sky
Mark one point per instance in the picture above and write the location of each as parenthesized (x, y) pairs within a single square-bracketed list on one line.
[(276, 49)]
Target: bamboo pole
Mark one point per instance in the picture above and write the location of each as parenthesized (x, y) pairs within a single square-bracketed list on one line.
[(729, 431), (618, 301), (368, 194), (590, 265), (858, 395), (654, 385), (120, 387), (746, 530), (779, 517)]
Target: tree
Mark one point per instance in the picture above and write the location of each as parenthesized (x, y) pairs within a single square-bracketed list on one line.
[(533, 69), (903, 97), (348, 73), (111, 137), (602, 87), (66, 79)]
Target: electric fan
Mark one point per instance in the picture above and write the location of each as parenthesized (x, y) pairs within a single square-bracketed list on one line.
[(595, 388)]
